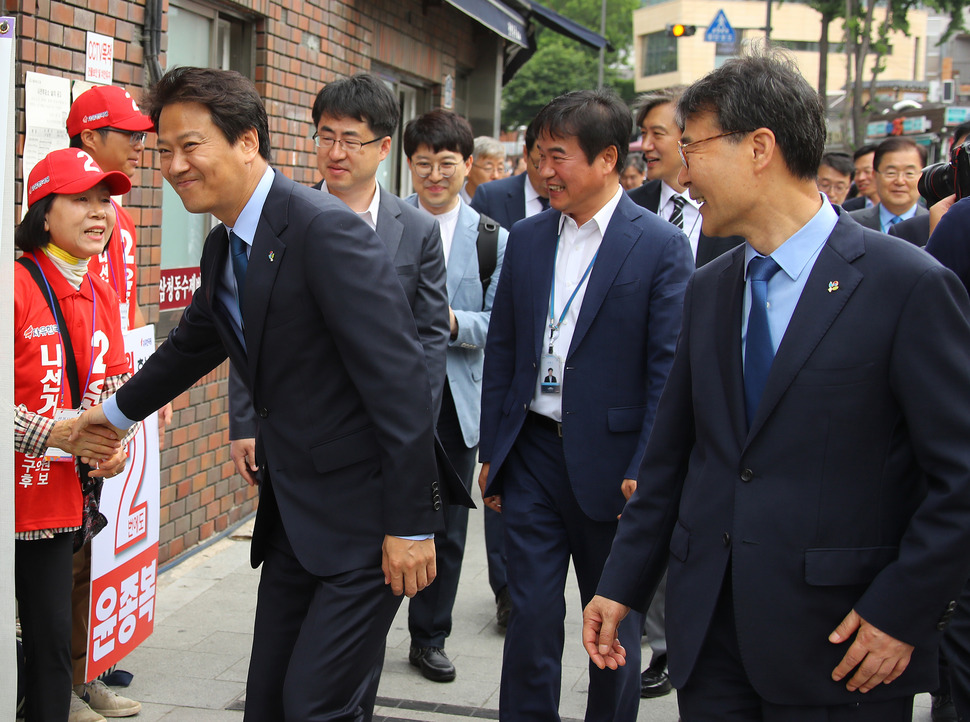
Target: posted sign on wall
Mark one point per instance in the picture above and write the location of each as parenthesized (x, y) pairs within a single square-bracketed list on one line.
[(100, 59)]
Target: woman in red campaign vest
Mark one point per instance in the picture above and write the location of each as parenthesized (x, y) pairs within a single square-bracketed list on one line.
[(69, 220)]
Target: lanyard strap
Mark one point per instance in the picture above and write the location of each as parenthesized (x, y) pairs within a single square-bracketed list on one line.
[(553, 324)]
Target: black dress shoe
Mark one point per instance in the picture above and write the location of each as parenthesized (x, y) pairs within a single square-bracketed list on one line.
[(433, 663), (503, 607), (654, 683), (942, 709)]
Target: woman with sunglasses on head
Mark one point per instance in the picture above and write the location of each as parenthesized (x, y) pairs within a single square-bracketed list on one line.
[(67, 332)]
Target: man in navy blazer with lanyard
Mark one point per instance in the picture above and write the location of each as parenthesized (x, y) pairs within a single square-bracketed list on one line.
[(348, 480), (593, 291), (807, 484)]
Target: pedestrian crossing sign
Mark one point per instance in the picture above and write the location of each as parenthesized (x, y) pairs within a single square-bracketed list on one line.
[(720, 30)]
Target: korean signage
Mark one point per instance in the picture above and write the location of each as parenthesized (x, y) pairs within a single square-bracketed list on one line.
[(124, 556), (176, 286), (99, 59)]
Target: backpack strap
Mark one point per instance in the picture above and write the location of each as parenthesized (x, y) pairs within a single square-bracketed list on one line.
[(487, 245)]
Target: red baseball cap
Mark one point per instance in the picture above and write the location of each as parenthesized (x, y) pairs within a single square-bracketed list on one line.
[(70, 170), (106, 106)]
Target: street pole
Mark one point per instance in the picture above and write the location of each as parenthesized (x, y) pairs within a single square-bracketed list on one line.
[(603, 33), (768, 25)]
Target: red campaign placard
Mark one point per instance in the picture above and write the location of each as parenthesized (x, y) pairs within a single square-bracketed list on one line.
[(122, 611)]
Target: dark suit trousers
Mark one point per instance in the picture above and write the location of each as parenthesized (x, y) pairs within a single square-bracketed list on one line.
[(718, 689), (495, 551), (43, 577), (318, 644), (430, 610), (955, 656), (544, 527)]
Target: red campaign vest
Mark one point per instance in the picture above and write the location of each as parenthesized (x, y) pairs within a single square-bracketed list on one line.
[(116, 264), (48, 494)]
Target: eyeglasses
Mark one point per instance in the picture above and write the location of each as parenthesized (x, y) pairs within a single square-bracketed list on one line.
[(827, 185), (422, 168), (891, 174), (682, 147), (350, 145), (489, 168), (136, 137)]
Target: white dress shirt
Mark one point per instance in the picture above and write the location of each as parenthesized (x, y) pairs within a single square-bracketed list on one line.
[(532, 203), (691, 211), (370, 215), (576, 248)]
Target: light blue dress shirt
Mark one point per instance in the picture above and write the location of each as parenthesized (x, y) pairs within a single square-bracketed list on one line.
[(796, 257), (886, 217)]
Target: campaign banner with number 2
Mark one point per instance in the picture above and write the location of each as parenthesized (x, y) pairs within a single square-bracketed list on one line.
[(124, 556)]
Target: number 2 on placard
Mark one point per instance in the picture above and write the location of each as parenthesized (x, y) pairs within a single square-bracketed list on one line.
[(131, 526)]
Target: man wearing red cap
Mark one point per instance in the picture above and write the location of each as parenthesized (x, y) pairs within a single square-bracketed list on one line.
[(105, 121)]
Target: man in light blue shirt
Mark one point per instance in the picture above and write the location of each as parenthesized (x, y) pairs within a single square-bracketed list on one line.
[(807, 477)]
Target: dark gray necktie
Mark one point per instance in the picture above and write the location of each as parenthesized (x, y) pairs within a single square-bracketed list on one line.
[(240, 262), (677, 215)]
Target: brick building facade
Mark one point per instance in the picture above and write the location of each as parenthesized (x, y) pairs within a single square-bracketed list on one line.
[(428, 52)]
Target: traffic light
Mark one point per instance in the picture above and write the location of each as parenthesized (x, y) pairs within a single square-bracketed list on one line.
[(679, 30)]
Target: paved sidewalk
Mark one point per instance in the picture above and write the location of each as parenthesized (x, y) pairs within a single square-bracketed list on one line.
[(193, 668)]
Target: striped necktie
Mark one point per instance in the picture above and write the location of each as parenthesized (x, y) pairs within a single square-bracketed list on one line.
[(677, 215)]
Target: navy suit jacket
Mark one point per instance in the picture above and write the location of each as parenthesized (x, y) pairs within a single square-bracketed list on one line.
[(855, 204), (414, 246), (708, 247), (869, 217), (618, 359), (850, 490), (950, 242), (502, 200), (335, 369), (916, 230)]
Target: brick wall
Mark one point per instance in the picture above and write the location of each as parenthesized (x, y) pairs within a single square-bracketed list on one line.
[(299, 47)]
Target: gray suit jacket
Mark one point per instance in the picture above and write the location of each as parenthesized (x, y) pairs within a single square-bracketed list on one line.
[(466, 353), (869, 217), (414, 246)]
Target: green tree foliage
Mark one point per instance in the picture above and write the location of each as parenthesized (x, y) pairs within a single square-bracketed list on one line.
[(560, 64), (867, 36)]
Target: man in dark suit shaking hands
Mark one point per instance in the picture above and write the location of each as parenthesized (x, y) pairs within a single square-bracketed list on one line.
[(808, 475), (592, 291), (302, 296)]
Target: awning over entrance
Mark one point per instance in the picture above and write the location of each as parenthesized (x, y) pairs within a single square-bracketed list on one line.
[(564, 26), (497, 17)]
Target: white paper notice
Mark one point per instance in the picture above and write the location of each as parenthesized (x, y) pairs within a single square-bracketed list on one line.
[(100, 59), (48, 101)]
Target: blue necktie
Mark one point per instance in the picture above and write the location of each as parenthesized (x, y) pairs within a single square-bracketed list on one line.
[(544, 202), (240, 262), (758, 352)]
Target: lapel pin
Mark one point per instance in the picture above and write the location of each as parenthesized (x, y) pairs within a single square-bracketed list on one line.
[(272, 257), (833, 286)]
